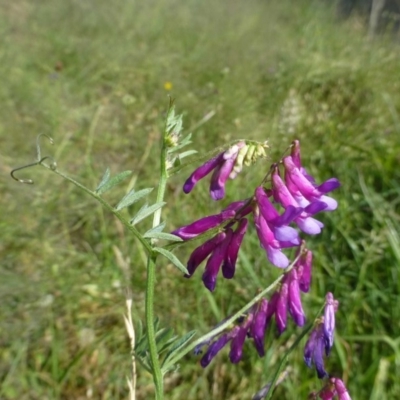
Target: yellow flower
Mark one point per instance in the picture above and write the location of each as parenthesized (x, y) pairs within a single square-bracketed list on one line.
[(167, 85)]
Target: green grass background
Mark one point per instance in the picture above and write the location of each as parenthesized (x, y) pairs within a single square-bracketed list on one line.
[(91, 74)]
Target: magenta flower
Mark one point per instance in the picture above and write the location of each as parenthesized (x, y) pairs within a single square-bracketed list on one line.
[(303, 267), (305, 191), (237, 342), (341, 389), (259, 325), (294, 300), (222, 165), (229, 265), (270, 243), (304, 221), (203, 225), (282, 307), (215, 261)]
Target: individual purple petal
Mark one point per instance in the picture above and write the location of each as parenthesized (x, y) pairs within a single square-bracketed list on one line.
[(214, 262), (202, 252), (329, 185), (286, 234), (282, 307), (271, 310), (214, 349), (329, 322), (310, 346), (315, 207), (310, 226), (229, 265), (237, 342), (257, 329), (267, 210), (201, 172), (294, 300), (219, 178), (305, 277), (330, 203), (318, 355), (269, 243), (202, 225), (290, 214)]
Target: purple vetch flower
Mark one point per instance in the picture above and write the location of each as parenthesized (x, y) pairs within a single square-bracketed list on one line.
[(215, 261), (331, 306), (299, 184), (282, 306), (237, 342), (222, 165), (314, 349), (229, 264), (257, 328), (270, 243), (278, 223), (328, 392), (334, 387), (294, 300), (283, 195), (202, 252), (303, 267), (214, 349), (202, 225)]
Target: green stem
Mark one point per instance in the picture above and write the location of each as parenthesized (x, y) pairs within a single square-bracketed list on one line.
[(151, 334), (107, 206)]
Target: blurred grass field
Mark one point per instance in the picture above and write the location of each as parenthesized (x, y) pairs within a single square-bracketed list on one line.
[(96, 75)]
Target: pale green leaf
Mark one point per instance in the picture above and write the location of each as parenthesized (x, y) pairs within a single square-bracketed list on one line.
[(162, 235), (132, 197), (173, 258), (113, 181), (145, 211), (104, 179), (177, 345)]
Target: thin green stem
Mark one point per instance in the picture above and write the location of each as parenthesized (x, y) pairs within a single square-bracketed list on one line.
[(151, 334), (107, 206)]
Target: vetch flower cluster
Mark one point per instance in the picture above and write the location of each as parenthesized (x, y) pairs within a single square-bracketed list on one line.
[(297, 194)]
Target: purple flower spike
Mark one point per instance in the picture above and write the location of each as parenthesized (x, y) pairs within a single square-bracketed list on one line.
[(237, 342), (214, 262), (214, 349), (202, 225), (329, 322), (229, 265), (294, 300), (202, 252), (282, 307), (257, 329)]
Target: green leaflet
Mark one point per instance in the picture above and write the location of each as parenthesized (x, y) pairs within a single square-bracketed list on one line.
[(145, 211), (107, 184), (176, 346), (162, 235), (173, 258), (132, 197)]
